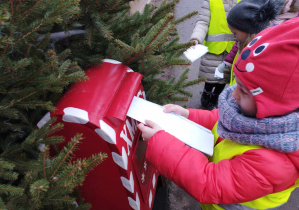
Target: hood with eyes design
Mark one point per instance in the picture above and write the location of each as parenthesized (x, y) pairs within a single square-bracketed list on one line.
[(269, 67)]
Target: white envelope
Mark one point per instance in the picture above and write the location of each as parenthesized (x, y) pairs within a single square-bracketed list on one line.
[(218, 74), (195, 52), (189, 132)]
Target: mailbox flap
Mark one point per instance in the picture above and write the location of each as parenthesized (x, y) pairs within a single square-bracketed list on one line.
[(124, 95), (108, 92)]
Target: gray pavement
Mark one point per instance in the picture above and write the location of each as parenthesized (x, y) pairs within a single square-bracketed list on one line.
[(185, 30), (169, 196)]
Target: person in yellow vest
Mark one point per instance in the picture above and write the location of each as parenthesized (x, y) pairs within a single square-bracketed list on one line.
[(255, 164), (211, 30), (245, 20)]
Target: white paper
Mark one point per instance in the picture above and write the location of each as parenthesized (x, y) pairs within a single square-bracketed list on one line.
[(218, 74), (190, 133), (195, 52)]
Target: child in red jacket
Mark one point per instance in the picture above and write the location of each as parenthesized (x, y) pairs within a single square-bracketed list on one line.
[(255, 164)]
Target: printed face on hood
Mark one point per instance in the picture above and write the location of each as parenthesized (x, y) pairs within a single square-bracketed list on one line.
[(249, 57), (269, 67)]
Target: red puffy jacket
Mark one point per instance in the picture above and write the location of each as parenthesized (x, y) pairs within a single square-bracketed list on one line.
[(245, 177)]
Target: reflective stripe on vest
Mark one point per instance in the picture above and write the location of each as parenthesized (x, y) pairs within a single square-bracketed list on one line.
[(219, 36), (232, 76), (227, 149)]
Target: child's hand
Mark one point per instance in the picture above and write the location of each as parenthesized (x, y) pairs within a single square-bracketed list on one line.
[(224, 67), (149, 129), (176, 109)]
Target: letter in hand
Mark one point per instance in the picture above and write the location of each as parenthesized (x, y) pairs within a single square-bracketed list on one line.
[(224, 67), (149, 129), (176, 109)]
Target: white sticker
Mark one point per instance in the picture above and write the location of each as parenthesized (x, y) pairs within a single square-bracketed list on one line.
[(256, 91)]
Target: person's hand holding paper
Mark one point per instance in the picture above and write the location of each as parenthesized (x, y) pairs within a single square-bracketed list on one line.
[(149, 129), (172, 120), (176, 109), (195, 52)]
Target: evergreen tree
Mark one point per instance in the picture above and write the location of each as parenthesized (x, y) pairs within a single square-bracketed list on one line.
[(44, 47)]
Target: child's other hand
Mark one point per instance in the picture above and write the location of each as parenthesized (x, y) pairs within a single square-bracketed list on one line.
[(176, 109), (149, 129), (224, 67)]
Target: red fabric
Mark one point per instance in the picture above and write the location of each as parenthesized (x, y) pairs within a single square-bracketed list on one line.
[(246, 177), (271, 63), (208, 121)]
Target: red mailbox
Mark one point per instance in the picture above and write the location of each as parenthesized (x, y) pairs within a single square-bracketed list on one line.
[(97, 108)]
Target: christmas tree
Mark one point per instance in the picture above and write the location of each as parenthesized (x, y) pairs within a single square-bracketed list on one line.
[(44, 47)]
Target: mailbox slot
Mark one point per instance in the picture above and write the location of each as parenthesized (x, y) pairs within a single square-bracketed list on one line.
[(143, 169)]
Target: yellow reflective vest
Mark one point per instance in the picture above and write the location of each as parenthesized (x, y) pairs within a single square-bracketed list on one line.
[(232, 76), (219, 37), (227, 149)]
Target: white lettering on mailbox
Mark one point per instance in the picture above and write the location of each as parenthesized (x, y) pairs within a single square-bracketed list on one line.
[(141, 94), (124, 136), (132, 127)]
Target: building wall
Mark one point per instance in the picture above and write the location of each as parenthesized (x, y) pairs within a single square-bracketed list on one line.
[(138, 5)]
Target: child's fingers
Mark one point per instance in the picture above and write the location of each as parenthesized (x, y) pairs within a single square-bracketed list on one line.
[(176, 109), (169, 108), (149, 129), (141, 127), (151, 124)]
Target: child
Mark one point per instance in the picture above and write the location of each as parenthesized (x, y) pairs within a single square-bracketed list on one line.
[(255, 164), (245, 20), (212, 23)]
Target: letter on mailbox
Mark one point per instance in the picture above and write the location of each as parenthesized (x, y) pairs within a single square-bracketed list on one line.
[(97, 108)]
